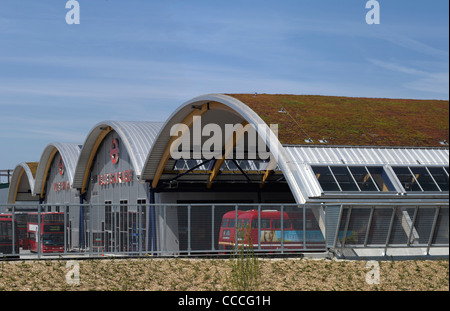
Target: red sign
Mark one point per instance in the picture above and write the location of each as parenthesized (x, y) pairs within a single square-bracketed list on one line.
[(59, 186), (114, 151), (115, 178), (61, 165)]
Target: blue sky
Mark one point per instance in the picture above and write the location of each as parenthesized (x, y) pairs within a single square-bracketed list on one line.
[(140, 60)]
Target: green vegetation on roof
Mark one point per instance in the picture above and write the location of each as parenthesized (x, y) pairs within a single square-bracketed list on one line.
[(354, 121)]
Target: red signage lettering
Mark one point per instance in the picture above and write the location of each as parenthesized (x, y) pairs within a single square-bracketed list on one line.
[(60, 186), (115, 178)]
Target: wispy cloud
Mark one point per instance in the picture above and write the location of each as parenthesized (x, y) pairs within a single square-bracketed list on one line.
[(419, 80)]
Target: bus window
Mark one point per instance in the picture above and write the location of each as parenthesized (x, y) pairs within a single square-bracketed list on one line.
[(243, 223), (297, 224), (231, 223), (265, 223), (224, 223), (276, 224)]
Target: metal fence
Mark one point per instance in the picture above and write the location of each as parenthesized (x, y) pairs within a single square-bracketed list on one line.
[(404, 227), (90, 230)]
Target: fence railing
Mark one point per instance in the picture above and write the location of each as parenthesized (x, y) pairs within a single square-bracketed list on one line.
[(92, 230), (384, 226)]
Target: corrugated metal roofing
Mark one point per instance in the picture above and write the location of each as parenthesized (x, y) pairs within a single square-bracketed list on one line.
[(368, 155), (29, 168), (138, 137), (69, 153)]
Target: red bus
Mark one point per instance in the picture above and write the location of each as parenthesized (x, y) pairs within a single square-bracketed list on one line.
[(21, 219), (51, 229), (6, 236), (270, 233)]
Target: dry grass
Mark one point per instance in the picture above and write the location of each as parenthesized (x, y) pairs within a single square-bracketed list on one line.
[(211, 275)]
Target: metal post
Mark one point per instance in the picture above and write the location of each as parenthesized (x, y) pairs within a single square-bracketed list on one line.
[(282, 229), (13, 229), (344, 238), (416, 211), (236, 228), (390, 230), (212, 227), (304, 227), (152, 222), (336, 236), (91, 236), (259, 226), (189, 230), (39, 232), (369, 224), (430, 240), (165, 228), (139, 228), (65, 229)]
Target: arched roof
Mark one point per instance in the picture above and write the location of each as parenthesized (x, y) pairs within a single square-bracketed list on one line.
[(137, 137), (29, 170), (69, 153), (225, 109)]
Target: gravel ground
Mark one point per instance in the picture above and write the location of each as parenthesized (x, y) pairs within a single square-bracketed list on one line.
[(215, 274)]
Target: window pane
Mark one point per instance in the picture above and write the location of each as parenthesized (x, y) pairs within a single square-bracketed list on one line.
[(265, 223), (344, 178), (424, 179), (440, 177), (363, 179), (380, 177), (325, 178), (407, 180)]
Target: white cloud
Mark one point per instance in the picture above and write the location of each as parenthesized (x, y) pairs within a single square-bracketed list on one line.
[(419, 80)]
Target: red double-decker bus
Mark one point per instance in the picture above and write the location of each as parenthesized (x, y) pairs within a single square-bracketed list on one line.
[(272, 234), (51, 230), (6, 237), (21, 219)]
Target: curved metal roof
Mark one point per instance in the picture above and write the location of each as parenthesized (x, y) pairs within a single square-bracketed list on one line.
[(245, 113), (137, 137), (29, 169), (69, 153)]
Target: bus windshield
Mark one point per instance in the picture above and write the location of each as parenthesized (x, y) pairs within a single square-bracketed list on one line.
[(51, 239)]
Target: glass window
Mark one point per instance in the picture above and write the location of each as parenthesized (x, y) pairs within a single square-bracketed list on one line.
[(224, 223), (381, 179), (407, 180), (54, 218), (231, 223), (297, 224), (325, 178), (276, 224), (362, 177), (243, 223), (265, 223), (440, 177), (425, 180), (344, 178)]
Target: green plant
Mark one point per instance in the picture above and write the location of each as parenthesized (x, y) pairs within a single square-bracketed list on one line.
[(245, 266)]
